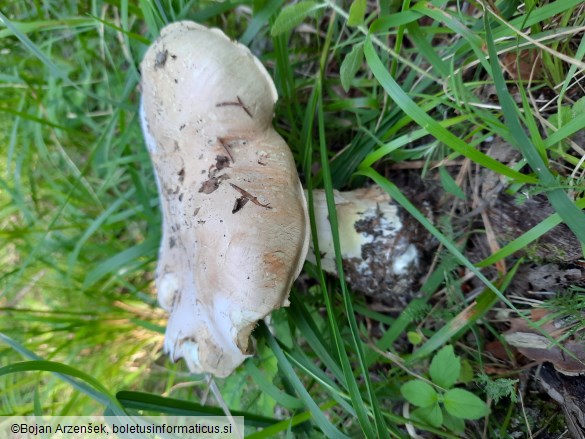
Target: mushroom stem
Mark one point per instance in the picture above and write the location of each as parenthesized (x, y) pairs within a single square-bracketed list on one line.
[(378, 250)]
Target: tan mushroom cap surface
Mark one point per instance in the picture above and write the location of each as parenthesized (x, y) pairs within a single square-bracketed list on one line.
[(235, 223)]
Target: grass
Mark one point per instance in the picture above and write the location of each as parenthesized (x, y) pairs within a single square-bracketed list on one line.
[(363, 91)]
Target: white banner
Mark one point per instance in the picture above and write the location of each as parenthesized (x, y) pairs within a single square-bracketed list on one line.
[(112, 427)]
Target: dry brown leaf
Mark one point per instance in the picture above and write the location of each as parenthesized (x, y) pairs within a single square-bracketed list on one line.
[(545, 343)]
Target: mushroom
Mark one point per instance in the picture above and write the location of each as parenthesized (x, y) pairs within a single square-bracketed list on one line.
[(235, 223)]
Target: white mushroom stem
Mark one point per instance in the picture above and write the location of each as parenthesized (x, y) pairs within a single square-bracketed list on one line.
[(235, 223), (377, 249)]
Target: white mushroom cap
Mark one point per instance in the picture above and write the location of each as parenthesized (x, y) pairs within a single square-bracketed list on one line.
[(208, 69), (235, 223)]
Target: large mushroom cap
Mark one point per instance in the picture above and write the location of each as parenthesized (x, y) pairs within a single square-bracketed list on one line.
[(235, 223), (218, 80)]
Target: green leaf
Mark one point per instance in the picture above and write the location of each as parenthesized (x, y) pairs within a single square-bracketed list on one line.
[(445, 367), (291, 16), (357, 12), (431, 415), (414, 337), (578, 108), (466, 374), (456, 425), (350, 65), (419, 393), (449, 184), (463, 404)]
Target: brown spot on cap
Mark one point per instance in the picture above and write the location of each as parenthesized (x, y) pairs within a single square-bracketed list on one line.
[(212, 184), (222, 161)]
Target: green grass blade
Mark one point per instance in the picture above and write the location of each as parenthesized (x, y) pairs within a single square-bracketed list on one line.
[(111, 265), (396, 329), (463, 321), (303, 362), (571, 215), (260, 19), (314, 338), (426, 49), (526, 238), (573, 126), (283, 399), (95, 226), (51, 366), (95, 389), (429, 124), (394, 20), (51, 66), (81, 386), (537, 15), (405, 139), (381, 430), (580, 54), (293, 15), (26, 27), (320, 419), (285, 425), (179, 407)]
